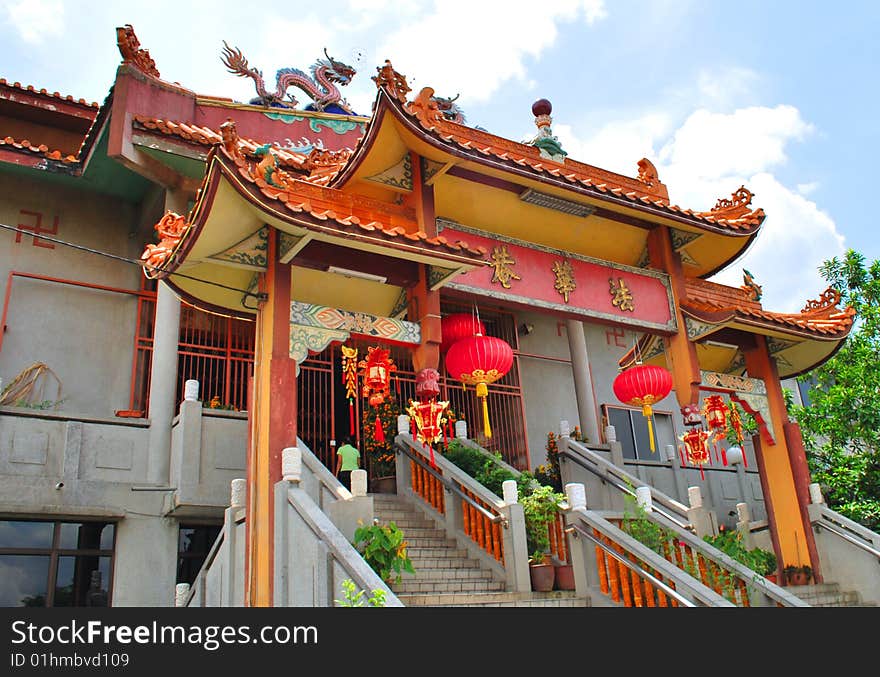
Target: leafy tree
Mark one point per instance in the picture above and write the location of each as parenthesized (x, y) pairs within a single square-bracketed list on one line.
[(841, 426)]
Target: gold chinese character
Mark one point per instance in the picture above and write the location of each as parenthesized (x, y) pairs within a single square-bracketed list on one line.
[(565, 283), (621, 296), (502, 261)]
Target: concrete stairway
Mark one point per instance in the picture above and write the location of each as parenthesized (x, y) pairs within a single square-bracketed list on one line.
[(826, 594), (445, 575)]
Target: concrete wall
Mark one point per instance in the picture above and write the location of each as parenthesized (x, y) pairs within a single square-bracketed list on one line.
[(547, 382), (85, 336), (101, 467)]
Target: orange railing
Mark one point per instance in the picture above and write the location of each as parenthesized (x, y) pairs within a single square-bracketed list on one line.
[(558, 540), (480, 527), (428, 485)]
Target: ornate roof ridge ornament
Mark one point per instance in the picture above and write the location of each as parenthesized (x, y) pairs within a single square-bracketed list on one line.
[(731, 208), (426, 108), (451, 110), (391, 81), (231, 142), (320, 87), (171, 228), (648, 172), (545, 142), (132, 54), (752, 288), (828, 300)]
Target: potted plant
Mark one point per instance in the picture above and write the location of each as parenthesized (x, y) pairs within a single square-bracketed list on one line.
[(797, 575), (384, 549), (540, 508)]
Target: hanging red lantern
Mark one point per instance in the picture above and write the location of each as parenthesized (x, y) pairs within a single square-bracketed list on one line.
[(458, 326), (428, 417), (643, 385), (716, 411), (478, 361), (377, 369), (696, 448)]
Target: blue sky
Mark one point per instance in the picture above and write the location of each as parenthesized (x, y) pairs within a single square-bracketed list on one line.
[(778, 95)]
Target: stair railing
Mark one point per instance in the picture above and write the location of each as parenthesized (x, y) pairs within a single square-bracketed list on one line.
[(849, 553), (626, 483), (492, 530)]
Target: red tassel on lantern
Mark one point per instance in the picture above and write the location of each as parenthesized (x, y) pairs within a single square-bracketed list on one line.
[(643, 385), (378, 430)]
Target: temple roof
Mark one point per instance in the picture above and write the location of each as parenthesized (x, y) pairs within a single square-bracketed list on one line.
[(717, 317), (645, 193), (246, 187)]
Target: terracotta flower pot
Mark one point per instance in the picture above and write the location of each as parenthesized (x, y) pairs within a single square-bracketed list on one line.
[(543, 576), (564, 577)]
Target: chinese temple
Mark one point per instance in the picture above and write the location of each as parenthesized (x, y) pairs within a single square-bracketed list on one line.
[(382, 231)]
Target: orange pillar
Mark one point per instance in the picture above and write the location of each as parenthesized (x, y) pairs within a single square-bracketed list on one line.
[(780, 476), (424, 304), (272, 425), (682, 353)]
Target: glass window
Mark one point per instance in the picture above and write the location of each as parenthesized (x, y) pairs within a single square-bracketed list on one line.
[(26, 534), (23, 580), (55, 563), (632, 433)]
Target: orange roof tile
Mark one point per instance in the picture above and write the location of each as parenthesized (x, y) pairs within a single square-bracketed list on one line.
[(41, 149), (645, 190), (318, 166), (719, 304), (44, 92)]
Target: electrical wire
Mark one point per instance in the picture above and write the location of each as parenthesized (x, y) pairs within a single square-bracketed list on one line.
[(136, 262)]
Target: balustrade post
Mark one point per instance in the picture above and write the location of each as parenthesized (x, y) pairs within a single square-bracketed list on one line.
[(401, 461), (703, 520), (743, 525), (181, 592), (516, 549), (583, 558)]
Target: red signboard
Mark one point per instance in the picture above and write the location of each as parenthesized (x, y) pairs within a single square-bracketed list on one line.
[(540, 277)]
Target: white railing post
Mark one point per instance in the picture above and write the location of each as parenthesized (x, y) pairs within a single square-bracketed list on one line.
[(181, 592), (291, 464), (584, 567), (702, 519), (516, 548)]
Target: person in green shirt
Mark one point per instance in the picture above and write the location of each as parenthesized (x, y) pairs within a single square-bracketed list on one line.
[(347, 457)]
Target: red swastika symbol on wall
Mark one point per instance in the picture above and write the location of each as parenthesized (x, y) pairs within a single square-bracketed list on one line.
[(36, 228), (615, 337)]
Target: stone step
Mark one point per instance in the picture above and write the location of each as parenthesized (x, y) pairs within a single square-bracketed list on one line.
[(429, 542), (492, 599), (469, 572), (446, 587), (434, 552), (446, 563)]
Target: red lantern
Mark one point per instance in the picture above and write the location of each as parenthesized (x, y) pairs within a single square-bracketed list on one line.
[(643, 385), (458, 326), (716, 412), (478, 361), (696, 448), (377, 370), (428, 419)]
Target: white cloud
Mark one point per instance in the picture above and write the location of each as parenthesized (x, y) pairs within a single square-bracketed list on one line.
[(708, 156), (36, 20), (472, 48), (712, 145), (806, 189), (618, 145)]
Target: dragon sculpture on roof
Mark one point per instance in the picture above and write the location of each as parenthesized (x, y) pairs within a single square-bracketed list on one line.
[(451, 110), (321, 86)]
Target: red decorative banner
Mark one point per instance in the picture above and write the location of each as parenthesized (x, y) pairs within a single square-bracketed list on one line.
[(545, 278)]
